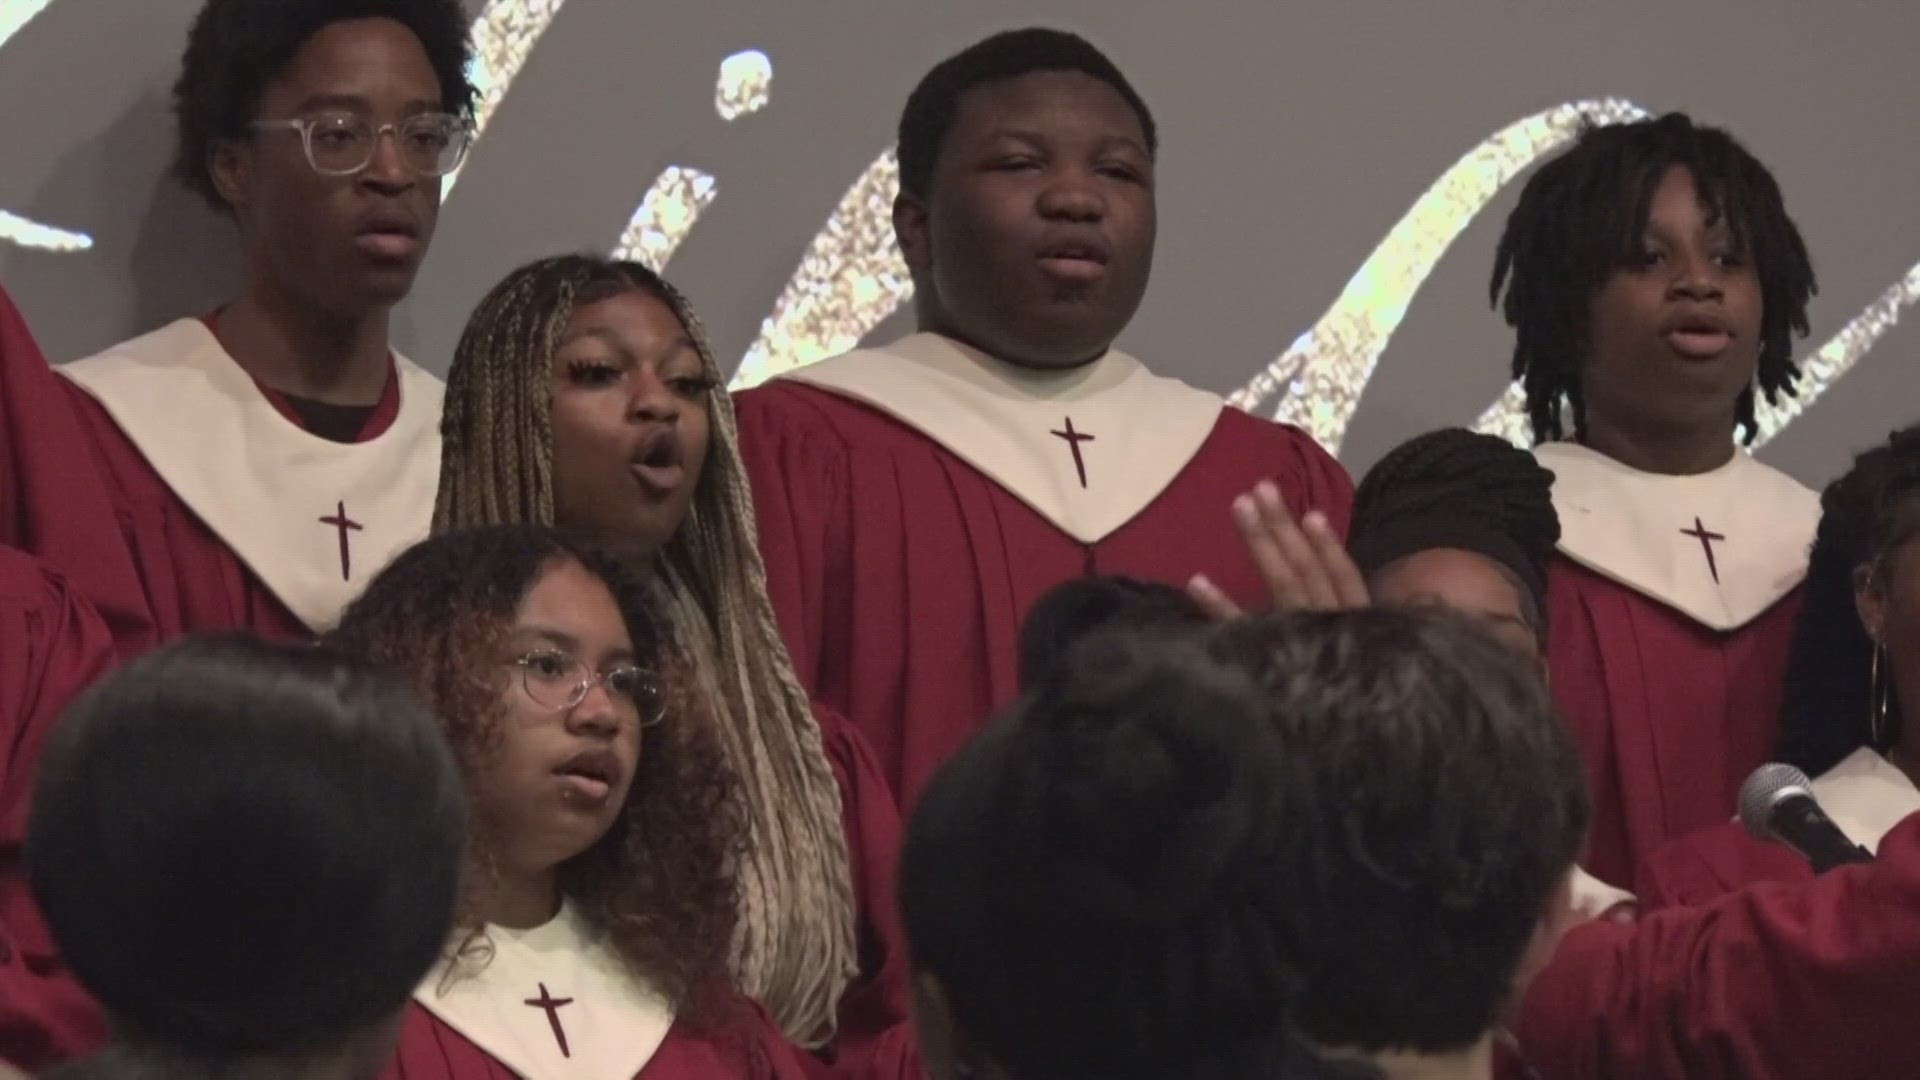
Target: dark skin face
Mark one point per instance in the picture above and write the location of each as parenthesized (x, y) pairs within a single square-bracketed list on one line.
[(1464, 581), (631, 423), (1675, 340), (1035, 241), (338, 246)]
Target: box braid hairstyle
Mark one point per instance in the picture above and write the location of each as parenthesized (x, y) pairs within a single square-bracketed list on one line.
[(1866, 517), (1583, 213), (796, 950), (1455, 488)]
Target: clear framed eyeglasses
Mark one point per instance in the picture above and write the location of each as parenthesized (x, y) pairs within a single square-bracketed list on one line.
[(342, 144), (559, 682)]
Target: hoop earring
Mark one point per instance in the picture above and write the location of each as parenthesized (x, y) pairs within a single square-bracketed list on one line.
[(1878, 695)]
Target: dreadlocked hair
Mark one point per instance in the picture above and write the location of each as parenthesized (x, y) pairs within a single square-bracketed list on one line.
[(796, 949), (1866, 516), (1584, 213)]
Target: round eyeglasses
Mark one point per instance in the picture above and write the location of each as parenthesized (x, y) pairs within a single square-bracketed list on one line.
[(559, 682), (342, 144)]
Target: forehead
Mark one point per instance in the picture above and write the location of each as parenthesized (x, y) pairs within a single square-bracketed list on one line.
[(1058, 104), (633, 311), (1453, 576), (570, 598), (377, 59)]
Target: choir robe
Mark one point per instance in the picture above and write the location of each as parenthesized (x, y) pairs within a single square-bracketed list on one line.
[(915, 500), (179, 496), (880, 999), (1865, 795), (52, 644), (1672, 602), (1778, 981), (555, 1003)]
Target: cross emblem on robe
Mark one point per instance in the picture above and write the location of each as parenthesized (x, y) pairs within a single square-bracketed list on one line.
[(1074, 439), (342, 522), (552, 1005), (1706, 544)]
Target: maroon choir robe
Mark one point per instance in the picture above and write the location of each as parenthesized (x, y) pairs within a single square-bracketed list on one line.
[(1777, 981), (914, 501), (1671, 604), (52, 645), (555, 1003), (179, 496), (1865, 795), (880, 999)]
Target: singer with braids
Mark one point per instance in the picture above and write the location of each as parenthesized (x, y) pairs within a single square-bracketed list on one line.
[(1465, 521), (1856, 658), (1655, 284), (583, 395)]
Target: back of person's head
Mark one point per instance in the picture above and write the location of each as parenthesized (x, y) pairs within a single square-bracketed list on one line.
[(247, 851), (1455, 490), (1089, 886), (934, 105), (1075, 609), (1837, 699), (1433, 806)]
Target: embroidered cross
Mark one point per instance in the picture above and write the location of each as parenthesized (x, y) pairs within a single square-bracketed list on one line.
[(1074, 439), (1706, 544), (552, 1005), (342, 522)]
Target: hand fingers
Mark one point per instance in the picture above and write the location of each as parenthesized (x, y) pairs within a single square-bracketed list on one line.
[(1211, 599), (1349, 584), (1269, 554), (1314, 585)]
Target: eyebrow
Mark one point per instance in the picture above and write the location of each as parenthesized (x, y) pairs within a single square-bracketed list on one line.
[(357, 104), (567, 643), (1108, 142), (683, 343)]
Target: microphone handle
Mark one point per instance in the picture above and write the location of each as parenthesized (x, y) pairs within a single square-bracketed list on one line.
[(1808, 814)]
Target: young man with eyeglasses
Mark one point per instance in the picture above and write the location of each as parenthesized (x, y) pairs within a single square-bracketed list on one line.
[(253, 466)]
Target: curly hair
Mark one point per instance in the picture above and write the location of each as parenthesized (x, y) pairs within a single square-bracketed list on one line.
[(1132, 798), (1583, 213), (1436, 801), (934, 106), (1866, 516), (237, 47), (660, 885), (797, 949)]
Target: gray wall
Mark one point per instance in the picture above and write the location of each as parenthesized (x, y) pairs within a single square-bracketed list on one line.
[(1295, 136)]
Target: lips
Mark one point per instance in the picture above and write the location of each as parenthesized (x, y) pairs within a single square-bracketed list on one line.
[(657, 465), (1075, 259), (388, 236), (1697, 335), (589, 776)]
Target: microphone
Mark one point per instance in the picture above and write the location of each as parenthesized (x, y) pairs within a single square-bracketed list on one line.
[(1777, 804)]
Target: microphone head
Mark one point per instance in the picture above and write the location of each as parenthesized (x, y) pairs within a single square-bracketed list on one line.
[(1763, 791)]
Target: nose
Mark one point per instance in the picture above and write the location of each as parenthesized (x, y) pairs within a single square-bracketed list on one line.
[(387, 170), (1073, 196), (1695, 277), (597, 715), (653, 400)]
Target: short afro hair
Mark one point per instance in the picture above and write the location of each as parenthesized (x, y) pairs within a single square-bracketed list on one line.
[(935, 103), (237, 47)]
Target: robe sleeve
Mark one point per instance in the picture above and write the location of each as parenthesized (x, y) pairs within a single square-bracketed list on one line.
[(798, 470), (52, 645), (1321, 481), (1779, 981), (878, 999)]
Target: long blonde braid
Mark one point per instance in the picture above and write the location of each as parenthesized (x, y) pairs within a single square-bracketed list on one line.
[(797, 949)]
